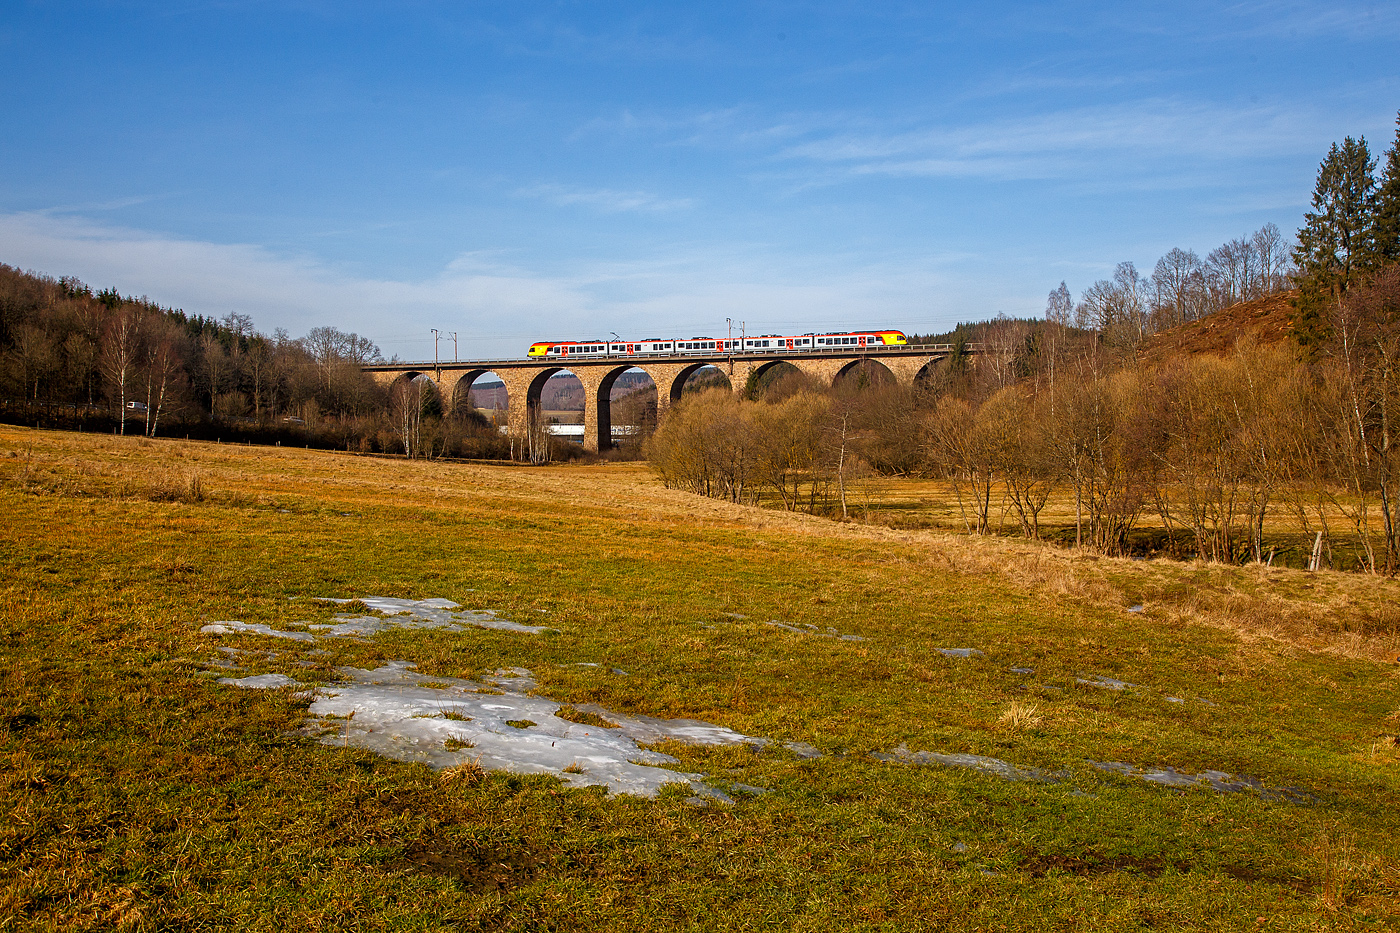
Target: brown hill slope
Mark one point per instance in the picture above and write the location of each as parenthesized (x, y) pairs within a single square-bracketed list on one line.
[(1268, 320)]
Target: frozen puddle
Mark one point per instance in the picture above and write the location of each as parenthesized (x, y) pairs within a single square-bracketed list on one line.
[(1220, 781), (1104, 683), (809, 629), (401, 714), (993, 766), (421, 613), (1099, 682), (441, 614), (253, 628), (960, 652), (260, 681), (1166, 777)]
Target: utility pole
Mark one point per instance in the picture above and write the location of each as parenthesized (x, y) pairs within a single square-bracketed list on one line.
[(437, 367), (729, 345), (454, 346)]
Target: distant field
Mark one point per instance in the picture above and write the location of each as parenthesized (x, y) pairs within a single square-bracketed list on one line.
[(920, 503), (140, 793)]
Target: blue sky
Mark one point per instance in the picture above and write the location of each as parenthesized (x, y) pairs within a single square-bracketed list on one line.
[(513, 171)]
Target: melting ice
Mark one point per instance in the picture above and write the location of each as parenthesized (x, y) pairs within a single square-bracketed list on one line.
[(401, 714)]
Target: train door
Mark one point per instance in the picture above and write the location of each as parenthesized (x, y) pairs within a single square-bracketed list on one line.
[(789, 343), (861, 338)]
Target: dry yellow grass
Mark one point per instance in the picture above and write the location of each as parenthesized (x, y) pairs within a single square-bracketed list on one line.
[(1346, 614), (158, 797)]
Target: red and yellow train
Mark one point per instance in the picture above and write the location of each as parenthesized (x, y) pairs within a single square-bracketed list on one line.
[(768, 343)]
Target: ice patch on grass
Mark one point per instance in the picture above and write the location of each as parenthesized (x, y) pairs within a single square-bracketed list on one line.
[(253, 628), (417, 614), (803, 750), (1220, 781), (260, 681), (807, 628), (391, 606), (960, 652), (1103, 683), (982, 763), (440, 614), (442, 722)]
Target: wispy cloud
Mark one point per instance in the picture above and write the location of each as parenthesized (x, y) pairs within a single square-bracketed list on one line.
[(606, 200), (496, 305), (1113, 138), (1301, 19)]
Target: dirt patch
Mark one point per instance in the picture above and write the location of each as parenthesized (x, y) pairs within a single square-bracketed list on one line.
[(478, 869), (1150, 866)]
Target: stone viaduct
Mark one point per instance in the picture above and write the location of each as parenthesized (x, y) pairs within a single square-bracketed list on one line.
[(525, 379)]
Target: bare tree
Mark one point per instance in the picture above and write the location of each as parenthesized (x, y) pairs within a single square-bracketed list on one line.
[(163, 369), (121, 344), (1178, 289), (35, 357), (1273, 253)]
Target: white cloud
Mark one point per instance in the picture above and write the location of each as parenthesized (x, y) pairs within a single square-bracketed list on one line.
[(495, 307), (606, 200)]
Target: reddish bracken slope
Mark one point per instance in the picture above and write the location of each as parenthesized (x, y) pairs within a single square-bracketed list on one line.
[(1268, 320)]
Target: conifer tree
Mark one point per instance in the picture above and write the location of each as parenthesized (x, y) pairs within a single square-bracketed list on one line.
[(1385, 227), (1334, 245)]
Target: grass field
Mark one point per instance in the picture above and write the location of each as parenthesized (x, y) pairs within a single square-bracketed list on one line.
[(139, 793)]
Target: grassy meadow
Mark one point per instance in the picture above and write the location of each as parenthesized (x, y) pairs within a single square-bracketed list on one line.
[(139, 794)]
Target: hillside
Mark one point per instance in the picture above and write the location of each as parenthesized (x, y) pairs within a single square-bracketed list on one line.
[(1267, 320)]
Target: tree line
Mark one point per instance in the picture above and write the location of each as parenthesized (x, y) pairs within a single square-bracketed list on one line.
[(72, 357), (1227, 457)]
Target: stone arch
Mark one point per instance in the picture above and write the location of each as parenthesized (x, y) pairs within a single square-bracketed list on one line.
[(536, 389), (459, 396), (876, 371), (424, 379), (716, 369), (682, 376), (760, 369), (602, 402), (403, 378), (524, 413), (414, 394), (924, 375)]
